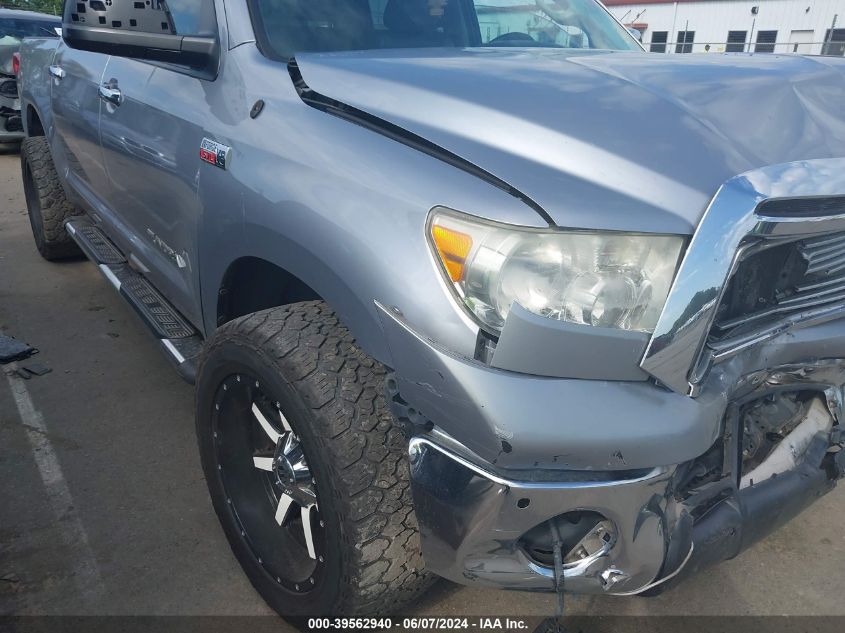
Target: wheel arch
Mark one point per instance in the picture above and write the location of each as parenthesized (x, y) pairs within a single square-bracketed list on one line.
[(251, 282), (33, 122)]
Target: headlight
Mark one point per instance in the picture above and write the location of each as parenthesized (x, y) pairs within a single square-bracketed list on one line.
[(605, 279)]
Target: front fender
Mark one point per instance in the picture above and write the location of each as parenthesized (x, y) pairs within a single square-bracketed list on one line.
[(338, 206)]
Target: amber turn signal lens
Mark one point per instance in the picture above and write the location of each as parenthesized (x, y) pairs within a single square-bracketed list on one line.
[(453, 248)]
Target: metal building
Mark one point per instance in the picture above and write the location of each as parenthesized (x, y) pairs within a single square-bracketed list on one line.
[(763, 26)]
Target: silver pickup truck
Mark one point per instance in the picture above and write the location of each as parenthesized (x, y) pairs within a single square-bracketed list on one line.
[(468, 288)]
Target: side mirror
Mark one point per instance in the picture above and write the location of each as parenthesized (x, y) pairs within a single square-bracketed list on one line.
[(143, 30), (636, 33)]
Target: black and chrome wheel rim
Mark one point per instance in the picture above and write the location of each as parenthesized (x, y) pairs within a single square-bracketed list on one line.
[(269, 486)]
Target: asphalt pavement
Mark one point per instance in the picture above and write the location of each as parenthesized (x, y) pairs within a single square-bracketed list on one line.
[(104, 510)]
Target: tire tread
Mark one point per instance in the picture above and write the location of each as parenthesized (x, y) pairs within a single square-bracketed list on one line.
[(55, 242), (366, 451)]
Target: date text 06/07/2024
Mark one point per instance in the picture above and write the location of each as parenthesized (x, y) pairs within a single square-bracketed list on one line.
[(421, 623)]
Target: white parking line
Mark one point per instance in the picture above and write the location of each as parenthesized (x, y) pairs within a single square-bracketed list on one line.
[(86, 574)]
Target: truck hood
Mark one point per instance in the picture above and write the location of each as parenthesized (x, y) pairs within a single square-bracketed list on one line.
[(605, 140)]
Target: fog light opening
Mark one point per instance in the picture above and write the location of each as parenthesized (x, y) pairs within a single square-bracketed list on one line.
[(585, 535)]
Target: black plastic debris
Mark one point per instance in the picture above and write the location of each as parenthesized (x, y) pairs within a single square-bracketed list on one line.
[(12, 349), (36, 369)]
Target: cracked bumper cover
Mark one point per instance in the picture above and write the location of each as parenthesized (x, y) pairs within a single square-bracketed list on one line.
[(476, 493), (472, 520)]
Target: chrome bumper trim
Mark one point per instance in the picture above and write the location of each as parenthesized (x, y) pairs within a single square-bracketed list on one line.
[(472, 520)]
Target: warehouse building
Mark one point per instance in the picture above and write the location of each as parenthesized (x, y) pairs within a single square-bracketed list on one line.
[(763, 26)]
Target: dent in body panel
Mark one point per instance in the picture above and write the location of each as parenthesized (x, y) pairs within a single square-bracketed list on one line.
[(568, 127), (574, 424), (551, 423)]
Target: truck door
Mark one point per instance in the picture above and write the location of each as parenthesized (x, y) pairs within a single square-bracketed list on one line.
[(151, 131), (75, 143)]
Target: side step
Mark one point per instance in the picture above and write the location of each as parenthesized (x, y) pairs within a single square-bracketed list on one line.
[(181, 342)]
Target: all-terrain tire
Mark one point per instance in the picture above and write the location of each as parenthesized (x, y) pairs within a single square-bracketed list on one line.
[(46, 202), (332, 394)]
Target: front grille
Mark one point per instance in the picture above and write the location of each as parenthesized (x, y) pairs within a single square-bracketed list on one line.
[(782, 281)]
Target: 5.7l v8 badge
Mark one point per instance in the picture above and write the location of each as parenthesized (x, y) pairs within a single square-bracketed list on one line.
[(215, 153)]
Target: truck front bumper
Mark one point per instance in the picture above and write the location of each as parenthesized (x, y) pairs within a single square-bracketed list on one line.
[(473, 522), (497, 454)]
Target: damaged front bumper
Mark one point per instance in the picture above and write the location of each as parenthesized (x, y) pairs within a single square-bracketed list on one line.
[(473, 522), (485, 504), (647, 531), (627, 456)]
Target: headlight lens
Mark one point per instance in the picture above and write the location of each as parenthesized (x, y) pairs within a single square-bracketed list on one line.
[(603, 279)]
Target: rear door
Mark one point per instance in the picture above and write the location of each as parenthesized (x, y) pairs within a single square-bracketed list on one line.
[(151, 134), (75, 76)]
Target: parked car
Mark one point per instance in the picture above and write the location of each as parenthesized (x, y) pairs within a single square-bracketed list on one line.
[(14, 26), (470, 289)]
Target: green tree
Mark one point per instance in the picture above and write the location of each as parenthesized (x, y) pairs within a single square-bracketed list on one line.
[(43, 6)]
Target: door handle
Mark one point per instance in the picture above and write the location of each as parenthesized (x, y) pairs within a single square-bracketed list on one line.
[(57, 72), (110, 95)]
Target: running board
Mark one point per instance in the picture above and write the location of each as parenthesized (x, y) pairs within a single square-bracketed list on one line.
[(178, 338)]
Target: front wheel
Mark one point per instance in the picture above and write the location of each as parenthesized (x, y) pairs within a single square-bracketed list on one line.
[(306, 470)]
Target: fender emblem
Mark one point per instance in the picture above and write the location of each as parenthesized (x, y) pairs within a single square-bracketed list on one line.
[(215, 153)]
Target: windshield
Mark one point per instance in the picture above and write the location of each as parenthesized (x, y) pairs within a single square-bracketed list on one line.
[(286, 27), (13, 30)]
